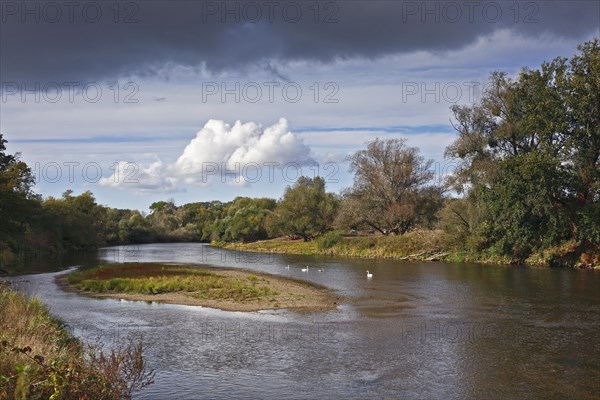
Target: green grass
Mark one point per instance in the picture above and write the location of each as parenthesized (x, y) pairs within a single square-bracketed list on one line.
[(151, 279)]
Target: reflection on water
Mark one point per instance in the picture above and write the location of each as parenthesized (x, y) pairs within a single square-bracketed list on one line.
[(37, 262), (414, 331)]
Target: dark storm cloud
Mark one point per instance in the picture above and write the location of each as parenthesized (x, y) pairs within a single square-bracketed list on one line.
[(69, 41)]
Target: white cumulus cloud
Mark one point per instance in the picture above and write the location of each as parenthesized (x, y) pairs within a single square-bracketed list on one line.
[(219, 151)]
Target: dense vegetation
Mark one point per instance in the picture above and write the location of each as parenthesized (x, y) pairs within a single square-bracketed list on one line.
[(530, 161), (40, 360), (528, 186)]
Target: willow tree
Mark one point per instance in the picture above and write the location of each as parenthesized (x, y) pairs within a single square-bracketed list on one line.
[(392, 188), (306, 210)]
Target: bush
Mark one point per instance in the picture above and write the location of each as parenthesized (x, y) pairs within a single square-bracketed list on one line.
[(40, 360), (328, 240)]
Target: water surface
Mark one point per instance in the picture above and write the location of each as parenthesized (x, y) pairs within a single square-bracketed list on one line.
[(415, 331)]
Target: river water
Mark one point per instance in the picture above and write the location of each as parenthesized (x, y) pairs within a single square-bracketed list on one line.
[(415, 330)]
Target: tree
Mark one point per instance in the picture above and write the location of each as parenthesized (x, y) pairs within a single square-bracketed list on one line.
[(245, 220), (580, 92), (523, 213), (163, 219), (75, 222), (534, 143), (306, 210), (5, 159), (136, 229), (247, 224), (17, 199), (167, 207), (460, 219), (391, 191)]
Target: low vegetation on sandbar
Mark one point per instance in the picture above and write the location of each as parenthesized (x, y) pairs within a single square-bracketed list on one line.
[(226, 289)]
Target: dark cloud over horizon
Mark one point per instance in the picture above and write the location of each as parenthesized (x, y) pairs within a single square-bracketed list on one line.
[(193, 33)]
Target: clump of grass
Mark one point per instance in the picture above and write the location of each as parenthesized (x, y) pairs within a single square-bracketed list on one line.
[(152, 279), (40, 360)]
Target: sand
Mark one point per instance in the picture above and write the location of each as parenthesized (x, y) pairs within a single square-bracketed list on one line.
[(294, 295)]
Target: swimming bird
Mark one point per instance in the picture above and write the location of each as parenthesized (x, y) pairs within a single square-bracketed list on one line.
[(321, 270), (288, 267), (305, 269), (369, 275)]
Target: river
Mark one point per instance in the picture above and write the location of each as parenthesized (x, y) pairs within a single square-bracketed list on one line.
[(416, 330)]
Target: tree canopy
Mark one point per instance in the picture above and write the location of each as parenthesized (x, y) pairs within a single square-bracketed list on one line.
[(529, 154), (306, 209), (391, 187)]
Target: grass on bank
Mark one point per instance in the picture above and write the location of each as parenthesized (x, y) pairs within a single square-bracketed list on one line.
[(428, 245), (151, 279), (416, 244), (39, 359)]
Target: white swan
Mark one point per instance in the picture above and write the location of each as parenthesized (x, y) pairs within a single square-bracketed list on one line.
[(305, 269), (369, 275), (288, 267), (321, 269)]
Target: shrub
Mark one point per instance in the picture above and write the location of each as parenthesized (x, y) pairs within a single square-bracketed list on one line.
[(40, 360), (328, 240)]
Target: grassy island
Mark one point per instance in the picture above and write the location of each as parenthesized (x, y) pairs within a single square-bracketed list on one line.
[(225, 289)]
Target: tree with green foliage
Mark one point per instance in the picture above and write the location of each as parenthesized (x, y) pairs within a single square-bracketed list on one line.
[(136, 229), (579, 91), (522, 205), (75, 222), (163, 219), (111, 220), (17, 204), (306, 210), (16, 195), (529, 153), (243, 219)]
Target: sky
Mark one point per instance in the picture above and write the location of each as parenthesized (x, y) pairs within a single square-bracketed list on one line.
[(140, 101)]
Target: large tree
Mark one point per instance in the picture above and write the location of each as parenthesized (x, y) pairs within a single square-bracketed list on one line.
[(392, 190), (529, 153), (75, 222), (306, 210), (245, 219)]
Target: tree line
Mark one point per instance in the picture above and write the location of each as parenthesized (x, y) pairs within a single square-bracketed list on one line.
[(528, 181)]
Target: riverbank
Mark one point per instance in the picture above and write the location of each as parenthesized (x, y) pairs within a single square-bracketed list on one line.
[(39, 359), (420, 245), (224, 289)]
